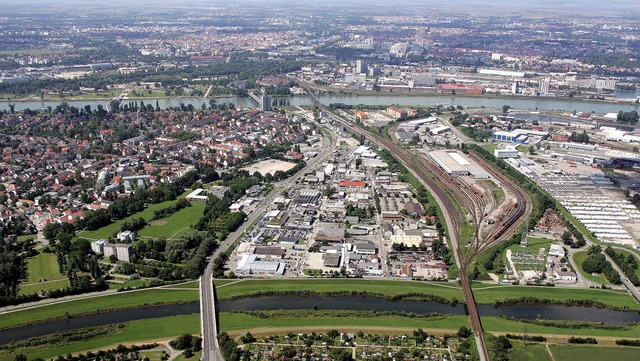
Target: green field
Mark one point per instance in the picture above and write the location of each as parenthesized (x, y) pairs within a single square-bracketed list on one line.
[(192, 284), (174, 225), (389, 288), (143, 331), (219, 282), (112, 229), (615, 298), (502, 325), (532, 352), (26, 237), (30, 288), (43, 266), (95, 304), (128, 283), (594, 353), (578, 258), (490, 146), (487, 294), (237, 323)]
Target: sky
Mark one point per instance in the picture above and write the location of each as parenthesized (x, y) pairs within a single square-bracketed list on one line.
[(593, 7)]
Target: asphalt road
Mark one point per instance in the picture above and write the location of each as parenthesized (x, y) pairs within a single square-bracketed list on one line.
[(211, 349)]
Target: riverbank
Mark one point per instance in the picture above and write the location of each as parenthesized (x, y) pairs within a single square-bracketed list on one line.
[(283, 322), (442, 292), (321, 92), (487, 294), (97, 304), (374, 98)]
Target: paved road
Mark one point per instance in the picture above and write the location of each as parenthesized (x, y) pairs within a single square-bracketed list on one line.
[(211, 350)]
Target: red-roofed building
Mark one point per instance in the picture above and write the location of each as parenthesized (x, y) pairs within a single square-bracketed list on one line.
[(352, 184)]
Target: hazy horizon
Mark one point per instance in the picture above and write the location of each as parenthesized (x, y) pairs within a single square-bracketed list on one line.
[(591, 7)]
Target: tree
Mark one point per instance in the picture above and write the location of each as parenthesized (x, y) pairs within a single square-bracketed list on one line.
[(182, 342), (532, 150), (476, 273), (341, 354), (464, 332), (505, 109), (329, 191)]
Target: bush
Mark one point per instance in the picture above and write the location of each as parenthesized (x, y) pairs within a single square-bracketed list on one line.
[(183, 342), (582, 340), (464, 332), (624, 342), (533, 338)]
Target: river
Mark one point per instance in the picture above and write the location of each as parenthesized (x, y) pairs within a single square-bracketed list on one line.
[(403, 100), (526, 312)]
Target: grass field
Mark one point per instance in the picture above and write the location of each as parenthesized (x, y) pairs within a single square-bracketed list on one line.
[(142, 331), (26, 289), (490, 146), (533, 352), (594, 353), (487, 294), (152, 355), (43, 266), (498, 324), (26, 237), (237, 323), (95, 304), (329, 285), (112, 229), (193, 284), (219, 283), (176, 224), (615, 298), (578, 258)]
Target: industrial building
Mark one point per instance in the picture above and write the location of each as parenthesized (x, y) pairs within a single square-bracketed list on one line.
[(455, 164), (506, 153), (517, 136), (413, 125), (440, 130), (249, 264), (404, 136)]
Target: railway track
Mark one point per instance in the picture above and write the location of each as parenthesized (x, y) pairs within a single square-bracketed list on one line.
[(449, 209), (467, 199), (514, 221)]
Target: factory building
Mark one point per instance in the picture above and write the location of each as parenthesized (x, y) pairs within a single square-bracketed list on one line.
[(517, 136), (455, 164), (505, 153)]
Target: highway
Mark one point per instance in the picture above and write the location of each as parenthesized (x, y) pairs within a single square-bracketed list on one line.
[(211, 349)]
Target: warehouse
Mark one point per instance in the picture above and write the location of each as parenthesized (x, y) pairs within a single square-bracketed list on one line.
[(506, 153), (455, 164), (518, 135), (440, 130)]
